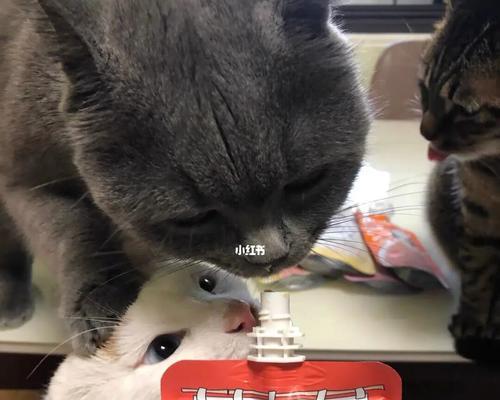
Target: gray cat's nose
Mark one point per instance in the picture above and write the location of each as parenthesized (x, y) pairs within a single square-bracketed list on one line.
[(266, 246)]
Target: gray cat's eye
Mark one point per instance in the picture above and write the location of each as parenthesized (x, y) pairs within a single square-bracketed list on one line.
[(306, 184), (197, 220)]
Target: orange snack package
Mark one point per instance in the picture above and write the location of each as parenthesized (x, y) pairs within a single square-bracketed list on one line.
[(400, 251)]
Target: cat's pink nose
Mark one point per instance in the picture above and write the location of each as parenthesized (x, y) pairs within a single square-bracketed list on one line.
[(239, 318)]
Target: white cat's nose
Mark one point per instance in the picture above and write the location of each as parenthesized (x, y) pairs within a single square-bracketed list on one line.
[(239, 318)]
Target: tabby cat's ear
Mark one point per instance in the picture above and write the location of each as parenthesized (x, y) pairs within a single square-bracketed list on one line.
[(307, 17), (486, 6)]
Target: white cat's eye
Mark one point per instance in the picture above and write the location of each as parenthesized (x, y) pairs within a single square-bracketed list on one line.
[(208, 283), (162, 347)]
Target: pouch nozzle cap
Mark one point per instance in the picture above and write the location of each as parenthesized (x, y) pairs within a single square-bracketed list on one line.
[(274, 339)]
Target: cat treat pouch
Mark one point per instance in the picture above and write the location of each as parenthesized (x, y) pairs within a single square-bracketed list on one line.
[(399, 251), (274, 372), (340, 250)]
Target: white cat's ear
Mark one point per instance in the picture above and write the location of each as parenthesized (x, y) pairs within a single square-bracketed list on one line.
[(307, 17)]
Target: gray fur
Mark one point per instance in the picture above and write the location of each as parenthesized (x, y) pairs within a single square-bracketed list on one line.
[(125, 119)]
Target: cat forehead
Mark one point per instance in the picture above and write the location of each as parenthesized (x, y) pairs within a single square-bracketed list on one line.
[(174, 303), (179, 282)]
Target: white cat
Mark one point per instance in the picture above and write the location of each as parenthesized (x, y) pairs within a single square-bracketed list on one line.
[(200, 313)]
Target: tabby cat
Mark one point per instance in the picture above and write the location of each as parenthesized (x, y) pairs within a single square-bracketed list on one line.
[(188, 127), (461, 104)]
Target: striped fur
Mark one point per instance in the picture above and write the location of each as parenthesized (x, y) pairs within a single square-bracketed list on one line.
[(461, 104)]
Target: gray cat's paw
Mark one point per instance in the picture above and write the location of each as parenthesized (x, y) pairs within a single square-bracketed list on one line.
[(95, 315), (16, 309), (90, 335), (98, 309)]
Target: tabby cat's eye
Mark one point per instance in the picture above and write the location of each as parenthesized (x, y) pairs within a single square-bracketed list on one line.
[(200, 219), (162, 347), (306, 184)]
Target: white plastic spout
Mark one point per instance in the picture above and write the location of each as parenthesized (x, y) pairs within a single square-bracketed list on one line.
[(275, 337)]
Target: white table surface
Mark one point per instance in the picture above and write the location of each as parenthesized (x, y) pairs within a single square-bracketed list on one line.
[(341, 320)]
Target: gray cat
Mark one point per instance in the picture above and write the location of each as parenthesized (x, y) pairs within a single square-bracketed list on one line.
[(187, 126)]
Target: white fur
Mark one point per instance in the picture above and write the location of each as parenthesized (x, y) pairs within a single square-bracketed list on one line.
[(167, 304)]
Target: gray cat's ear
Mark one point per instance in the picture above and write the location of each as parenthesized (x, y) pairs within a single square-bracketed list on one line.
[(71, 28), (307, 17), (74, 31)]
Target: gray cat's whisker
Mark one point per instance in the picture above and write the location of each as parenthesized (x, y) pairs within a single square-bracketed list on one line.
[(101, 307), (111, 266), (95, 319), (78, 201), (51, 352), (110, 238), (351, 250), (348, 243), (340, 220), (166, 270), (381, 199), (53, 182), (107, 253)]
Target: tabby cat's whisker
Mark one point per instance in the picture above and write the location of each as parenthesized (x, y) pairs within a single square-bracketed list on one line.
[(410, 30)]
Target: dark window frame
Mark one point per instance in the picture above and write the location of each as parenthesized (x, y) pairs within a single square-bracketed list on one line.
[(390, 19)]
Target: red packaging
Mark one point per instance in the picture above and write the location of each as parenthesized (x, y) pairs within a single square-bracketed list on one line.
[(311, 380)]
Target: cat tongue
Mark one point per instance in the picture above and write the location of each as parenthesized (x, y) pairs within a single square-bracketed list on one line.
[(435, 155)]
